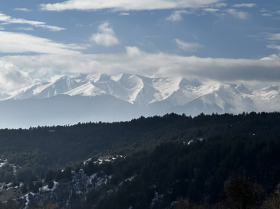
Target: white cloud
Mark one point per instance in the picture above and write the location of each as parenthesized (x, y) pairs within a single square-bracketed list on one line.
[(187, 46), (273, 57), (211, 10), (238, 14), (177, 15), (132, 51), (124, 14), (22, 9), (274, 37), (218, 5), (248, 5), (126, 5), (10, 20), (105, 36), (11, 78), (274, 46), (266, 14), (21, 43)]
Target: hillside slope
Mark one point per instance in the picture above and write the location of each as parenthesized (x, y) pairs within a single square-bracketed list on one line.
[(147, 162)]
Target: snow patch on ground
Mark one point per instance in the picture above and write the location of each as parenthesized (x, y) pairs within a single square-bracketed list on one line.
[(109, 158), (156, 199), (5, 162), (194, 140), (47, 189)]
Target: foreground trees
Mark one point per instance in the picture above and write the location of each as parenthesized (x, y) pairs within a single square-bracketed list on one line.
[(241, 193), (273, 201)]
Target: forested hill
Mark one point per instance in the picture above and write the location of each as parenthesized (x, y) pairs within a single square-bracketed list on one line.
[(53, 147), (144, 163)]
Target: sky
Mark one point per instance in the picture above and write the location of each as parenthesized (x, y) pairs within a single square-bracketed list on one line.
[(220, 40)]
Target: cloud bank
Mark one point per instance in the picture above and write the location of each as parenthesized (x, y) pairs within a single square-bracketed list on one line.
[(135, 61), (126, 5)]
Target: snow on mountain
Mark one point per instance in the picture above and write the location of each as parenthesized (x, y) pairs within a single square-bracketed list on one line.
[(268, 98), (187, 91), (127, 87), (49, 89), (128, 96), (229, 98), (270, 93), (88, 89), (144, 91)]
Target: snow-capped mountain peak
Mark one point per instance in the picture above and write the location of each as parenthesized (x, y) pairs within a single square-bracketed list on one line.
[(143, 90), (130, 96), (49, 89)]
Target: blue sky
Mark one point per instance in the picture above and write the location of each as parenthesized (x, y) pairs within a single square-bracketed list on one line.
[(207, 39)]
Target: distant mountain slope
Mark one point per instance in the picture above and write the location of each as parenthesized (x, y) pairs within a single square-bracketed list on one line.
[(77, 98), (64, 109)]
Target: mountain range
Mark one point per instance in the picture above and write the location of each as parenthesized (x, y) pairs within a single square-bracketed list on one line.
[(90, 97)]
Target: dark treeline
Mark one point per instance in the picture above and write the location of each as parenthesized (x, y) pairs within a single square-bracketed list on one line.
[(172, 159)]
